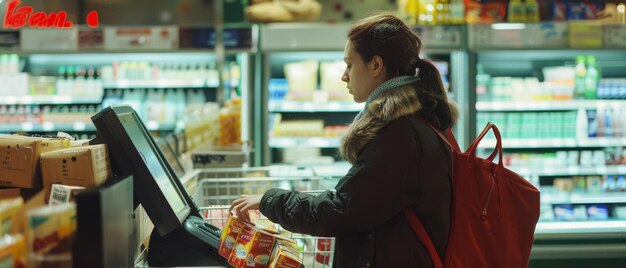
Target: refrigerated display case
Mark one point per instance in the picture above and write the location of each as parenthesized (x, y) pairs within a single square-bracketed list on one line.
[(162, 71), (303, 107), (560, 105)]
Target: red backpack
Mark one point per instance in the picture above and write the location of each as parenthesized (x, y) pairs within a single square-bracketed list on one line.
[(494, 211)]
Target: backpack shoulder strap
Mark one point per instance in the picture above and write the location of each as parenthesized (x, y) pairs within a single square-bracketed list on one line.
[(449, 140), (419, 230)]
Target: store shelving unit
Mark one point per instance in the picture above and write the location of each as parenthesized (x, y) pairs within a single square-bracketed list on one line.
[(192, 65), (549, 131), (282, 44)]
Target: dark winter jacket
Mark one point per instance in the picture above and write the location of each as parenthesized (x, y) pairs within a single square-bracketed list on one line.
[(398, 162)]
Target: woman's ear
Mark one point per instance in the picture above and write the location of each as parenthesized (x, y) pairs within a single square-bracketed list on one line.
[(376, 65)]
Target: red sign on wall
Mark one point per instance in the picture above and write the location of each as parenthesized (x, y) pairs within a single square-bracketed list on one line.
[(17, 16)]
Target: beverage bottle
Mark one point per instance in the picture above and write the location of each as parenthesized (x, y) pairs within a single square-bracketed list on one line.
[(580, 76), (592, 78), (457, 12), (532, 11), (517, 11), (443, 12)]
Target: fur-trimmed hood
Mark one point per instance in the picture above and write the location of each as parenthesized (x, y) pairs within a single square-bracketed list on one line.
[(391, 105)]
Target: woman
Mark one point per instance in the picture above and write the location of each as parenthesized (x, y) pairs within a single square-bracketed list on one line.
[(397, 160)]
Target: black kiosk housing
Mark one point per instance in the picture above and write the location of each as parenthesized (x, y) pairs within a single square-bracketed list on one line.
[(181, 236)]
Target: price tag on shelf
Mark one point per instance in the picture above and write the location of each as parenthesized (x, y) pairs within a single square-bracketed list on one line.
[(621, 170), (601, 170), (153, 125), (572, 170), (60, 99), (27, 126), (9, 100), (615, 35), (440, 36), (26, 99), (79, 126), (585, 34), (48, 126)]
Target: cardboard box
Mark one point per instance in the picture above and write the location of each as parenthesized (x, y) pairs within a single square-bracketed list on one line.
[(218, 157), (81, 166), (9, 193), (19, 156)]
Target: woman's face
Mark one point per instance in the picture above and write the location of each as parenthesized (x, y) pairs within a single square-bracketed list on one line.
[(361, 76)]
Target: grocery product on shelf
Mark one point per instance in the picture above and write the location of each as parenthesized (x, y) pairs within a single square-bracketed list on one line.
[(230, 123)]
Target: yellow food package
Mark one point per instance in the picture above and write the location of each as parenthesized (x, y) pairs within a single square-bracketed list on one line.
[(231, 231), (12, 251), (252, 249), (50, 230), (9, 209), (285, 257)]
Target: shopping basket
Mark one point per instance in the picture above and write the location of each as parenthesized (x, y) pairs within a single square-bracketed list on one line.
[(218, 188)]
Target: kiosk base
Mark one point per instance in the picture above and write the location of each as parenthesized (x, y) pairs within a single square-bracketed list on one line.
[(195, 243)]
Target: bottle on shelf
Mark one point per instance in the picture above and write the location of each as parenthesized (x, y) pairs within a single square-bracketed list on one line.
[(517, 11), (582, 124), (61, 81), (580, 77), (457, 12), (427, 12), (532, 11), (443, 12), (592, 78), (14, 64)]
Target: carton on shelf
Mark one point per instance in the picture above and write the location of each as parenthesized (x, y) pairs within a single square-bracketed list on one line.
[(218, 156), (81, 166), (19, 156)]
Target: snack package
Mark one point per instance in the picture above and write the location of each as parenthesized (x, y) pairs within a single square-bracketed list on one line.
[(49, 235), (12, 251), (285, 254), (252, 249), (232, 229), (9, 209)]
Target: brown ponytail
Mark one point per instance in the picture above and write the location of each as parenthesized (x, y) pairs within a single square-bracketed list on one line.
[(388, 37)]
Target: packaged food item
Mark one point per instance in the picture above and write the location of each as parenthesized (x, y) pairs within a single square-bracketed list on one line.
[(261, 222), (12, 251), (285, 254), (598, 212), (302, 79), (252, 249), (230, 123), (80, 166), (49, 235), (20, 159), (232, 229), (9, 209), (564, 212)]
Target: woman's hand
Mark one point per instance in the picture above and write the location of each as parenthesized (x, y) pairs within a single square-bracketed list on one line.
[(245, 203)]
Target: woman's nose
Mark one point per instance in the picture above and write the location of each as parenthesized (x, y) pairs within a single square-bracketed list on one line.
[(344, 77)]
